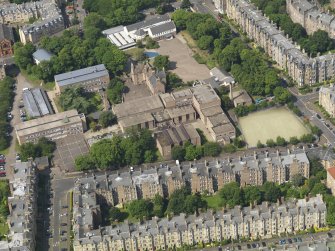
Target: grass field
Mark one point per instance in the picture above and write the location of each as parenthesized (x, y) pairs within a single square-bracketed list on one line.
[(270, 124)]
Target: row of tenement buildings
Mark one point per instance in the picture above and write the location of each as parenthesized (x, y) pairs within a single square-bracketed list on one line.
[(49, 19), (205, 177), (310, 17), (256, 221), (22, 209), (299, 66)]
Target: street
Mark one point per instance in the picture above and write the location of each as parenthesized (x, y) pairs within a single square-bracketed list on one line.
[(21, 83)]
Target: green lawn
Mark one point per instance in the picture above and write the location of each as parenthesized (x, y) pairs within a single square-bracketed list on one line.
[(3, 228), (213, 201)]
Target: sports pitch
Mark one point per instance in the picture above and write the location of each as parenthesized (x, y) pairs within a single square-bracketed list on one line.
[(270, 124)]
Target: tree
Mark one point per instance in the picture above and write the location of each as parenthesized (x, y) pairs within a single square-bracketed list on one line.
[(271, 191), (238, 143), (252, 194), (316, 130), (282, 95), (23, 54), (178, 153), (298, 180), (307, 138), (229, 148), (159, 206), (270, 143), (84, 163), (115, 214), (294, 140), (43, 147), (177, 199), (259, 144), (185, 4), (107, 153), (319, 188), (205, 42), (211, 149), (231, 195), (161, 62), (115, 90), (140, 209), (193, 152), (280, 141), (193, 203), (107, 118)]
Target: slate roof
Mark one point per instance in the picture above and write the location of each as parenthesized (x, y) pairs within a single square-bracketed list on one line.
[(81, 75), (6, 32)]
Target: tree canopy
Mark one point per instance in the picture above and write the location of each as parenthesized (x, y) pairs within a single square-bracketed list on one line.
[(77, 98), (71, 52), (133, 149), (6, 101), (43, 147)]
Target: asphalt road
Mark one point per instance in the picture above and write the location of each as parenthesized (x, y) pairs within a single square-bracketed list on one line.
[(305, 103), (21, 83), (60, 191)]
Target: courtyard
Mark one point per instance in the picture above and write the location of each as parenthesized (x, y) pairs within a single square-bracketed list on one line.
[(182, 62), (270, 124)]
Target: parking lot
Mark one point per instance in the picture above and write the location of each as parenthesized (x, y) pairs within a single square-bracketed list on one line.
[(180, 56), (67, 150)]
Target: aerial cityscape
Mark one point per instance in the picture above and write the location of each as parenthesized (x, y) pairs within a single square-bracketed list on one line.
[(204, 125)]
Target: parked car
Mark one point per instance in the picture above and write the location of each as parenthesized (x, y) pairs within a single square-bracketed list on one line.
[(329, 234), (2, 174)]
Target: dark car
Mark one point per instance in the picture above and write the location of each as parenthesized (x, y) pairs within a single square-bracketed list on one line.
[(329, 234), (289, 241), (248, 246), (263, 244), (253, 245), (295, 240), (299, 239), (239, 247)]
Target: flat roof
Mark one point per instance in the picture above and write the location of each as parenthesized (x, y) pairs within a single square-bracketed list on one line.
[(138, 106), (48, 122), (205, 94), (80, 75), (135, 120), (180, 111)]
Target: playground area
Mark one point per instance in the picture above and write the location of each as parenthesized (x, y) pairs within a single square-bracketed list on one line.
[(270, 124)]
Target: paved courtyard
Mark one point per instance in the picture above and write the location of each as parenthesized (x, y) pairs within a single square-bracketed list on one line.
[(270, 124), (183, 64)]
